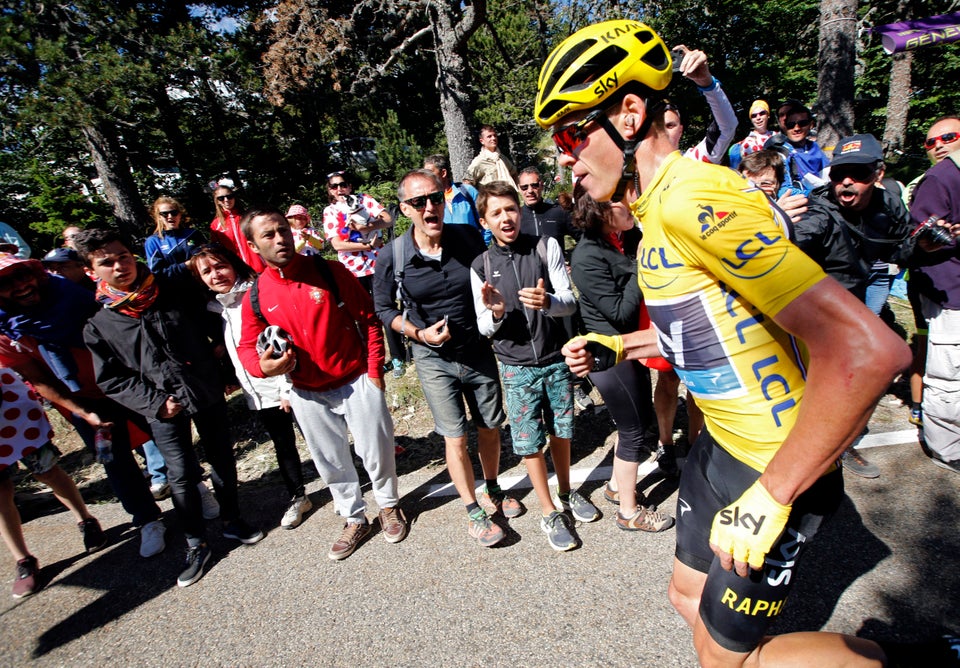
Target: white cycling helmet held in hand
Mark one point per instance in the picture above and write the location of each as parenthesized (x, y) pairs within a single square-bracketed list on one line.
[(276, 337)]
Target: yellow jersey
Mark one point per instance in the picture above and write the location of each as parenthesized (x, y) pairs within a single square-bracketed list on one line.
[(715, 268)]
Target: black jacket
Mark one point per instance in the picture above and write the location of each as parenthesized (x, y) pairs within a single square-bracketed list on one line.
[(607, 281), (845, 243), (139, 362), (525, 337), (548, 219)]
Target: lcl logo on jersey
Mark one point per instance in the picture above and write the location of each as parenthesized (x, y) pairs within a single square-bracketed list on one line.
[(756, 256)]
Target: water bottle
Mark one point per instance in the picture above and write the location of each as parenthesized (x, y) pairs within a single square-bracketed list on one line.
[(103, 444)]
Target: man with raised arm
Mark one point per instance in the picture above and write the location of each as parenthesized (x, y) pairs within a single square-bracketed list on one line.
[(761, 336)]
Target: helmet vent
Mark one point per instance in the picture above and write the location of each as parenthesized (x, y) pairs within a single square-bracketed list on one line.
[(656, 58)]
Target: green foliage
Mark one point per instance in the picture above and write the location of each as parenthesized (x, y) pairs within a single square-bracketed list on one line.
[(182, 94), (505, 59), (59, 203), (397, 150)]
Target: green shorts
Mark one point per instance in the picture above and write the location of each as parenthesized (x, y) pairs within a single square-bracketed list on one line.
[(539, 401)]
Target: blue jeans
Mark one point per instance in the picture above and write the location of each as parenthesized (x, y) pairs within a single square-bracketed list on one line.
[(156, 467), (878, 289)]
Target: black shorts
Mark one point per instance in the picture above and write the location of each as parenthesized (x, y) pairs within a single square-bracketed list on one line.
[(737, 611)]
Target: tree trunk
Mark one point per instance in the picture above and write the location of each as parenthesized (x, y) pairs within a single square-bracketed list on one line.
[(837, 58), (113, 168), (170, 124), (450, 39), (898, 103)]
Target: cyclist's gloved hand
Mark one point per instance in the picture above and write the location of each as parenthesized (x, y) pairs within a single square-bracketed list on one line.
[(748, 527), (607, 351)]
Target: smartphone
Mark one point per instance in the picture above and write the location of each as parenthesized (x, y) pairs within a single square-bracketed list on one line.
[(677, 56)]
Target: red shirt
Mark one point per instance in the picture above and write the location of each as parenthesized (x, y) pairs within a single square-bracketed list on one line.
[(329, 349)]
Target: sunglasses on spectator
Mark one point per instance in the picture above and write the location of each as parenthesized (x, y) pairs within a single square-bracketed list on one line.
[(569, 137), (169, 214), (527, 186), (790, 125), (420, 203), (859, 173), (339, 184), (946, 138), (767, 184), (758, 114), (332, 174), (224, 198)]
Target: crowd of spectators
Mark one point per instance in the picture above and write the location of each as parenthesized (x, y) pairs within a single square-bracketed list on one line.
[(476, 296)]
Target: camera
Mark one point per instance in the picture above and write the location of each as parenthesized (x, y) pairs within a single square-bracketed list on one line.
[(936, 235), (677, 56)]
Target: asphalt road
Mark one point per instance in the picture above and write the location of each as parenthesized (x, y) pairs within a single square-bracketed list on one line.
[(885, 567)]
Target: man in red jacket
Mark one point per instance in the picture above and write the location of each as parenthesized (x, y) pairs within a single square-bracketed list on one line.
[(335, 364)]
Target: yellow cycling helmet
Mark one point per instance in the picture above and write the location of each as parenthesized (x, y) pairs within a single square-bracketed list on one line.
[(591, 65)]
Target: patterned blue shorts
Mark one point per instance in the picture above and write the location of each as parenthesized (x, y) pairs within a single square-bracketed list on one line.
[(539, 401)]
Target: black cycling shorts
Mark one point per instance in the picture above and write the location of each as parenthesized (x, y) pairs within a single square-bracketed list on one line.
[(738, 610)]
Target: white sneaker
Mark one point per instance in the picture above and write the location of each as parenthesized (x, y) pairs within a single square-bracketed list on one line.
[(211, 507), (294, 515), (160, 491), (151, 539)]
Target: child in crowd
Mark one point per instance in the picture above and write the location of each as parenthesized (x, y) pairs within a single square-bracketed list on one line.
[(521, 291), (26, 436), (765, 169)]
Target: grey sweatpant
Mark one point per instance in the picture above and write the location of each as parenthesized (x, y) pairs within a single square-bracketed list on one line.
[(324, 418)]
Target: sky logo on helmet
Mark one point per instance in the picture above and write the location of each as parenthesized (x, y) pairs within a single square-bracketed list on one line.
[(608, 84)]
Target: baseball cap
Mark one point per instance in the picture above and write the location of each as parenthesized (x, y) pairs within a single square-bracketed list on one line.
[(790, 106), (58, 255), (857, 150)]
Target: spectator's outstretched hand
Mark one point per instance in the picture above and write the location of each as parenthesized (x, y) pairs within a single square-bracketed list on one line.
[(694, 66)]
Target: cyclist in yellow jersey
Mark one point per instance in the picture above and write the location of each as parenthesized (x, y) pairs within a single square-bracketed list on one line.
[(761, 336)]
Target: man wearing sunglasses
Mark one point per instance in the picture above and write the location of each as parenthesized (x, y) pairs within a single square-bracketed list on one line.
[(937, 280), (806, 161), (941, 141), (727, 293), (460, 199), (454, 362), (540, 217), (852, 223), (854, 230), (942, 138)]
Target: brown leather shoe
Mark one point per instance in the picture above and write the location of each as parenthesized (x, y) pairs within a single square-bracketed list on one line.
[(349, 538), (393, 524)]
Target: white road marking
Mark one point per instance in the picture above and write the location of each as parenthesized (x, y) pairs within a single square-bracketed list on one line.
[(581, 475)]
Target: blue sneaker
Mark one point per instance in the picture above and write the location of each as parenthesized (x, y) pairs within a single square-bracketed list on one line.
[(555, 526)]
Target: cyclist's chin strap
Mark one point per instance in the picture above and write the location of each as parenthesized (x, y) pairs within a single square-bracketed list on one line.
[(629, 147)]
